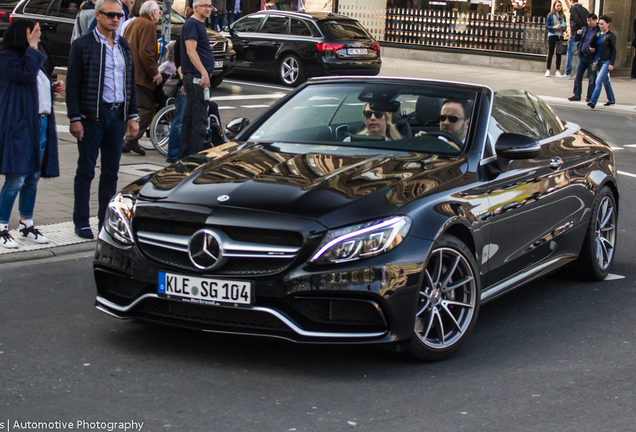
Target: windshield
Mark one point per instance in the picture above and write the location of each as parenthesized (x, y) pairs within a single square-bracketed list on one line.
[(429, 117), (343, 30)]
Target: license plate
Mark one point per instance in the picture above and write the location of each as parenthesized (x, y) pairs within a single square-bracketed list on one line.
[(218, 65), (204, 290), (357, 51)]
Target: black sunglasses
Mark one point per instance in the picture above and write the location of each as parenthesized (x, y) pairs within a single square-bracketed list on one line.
[(112, 15), (368, 114), (452, 119)]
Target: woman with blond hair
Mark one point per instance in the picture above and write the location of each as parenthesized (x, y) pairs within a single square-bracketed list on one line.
[(555, 24), (378, 123)]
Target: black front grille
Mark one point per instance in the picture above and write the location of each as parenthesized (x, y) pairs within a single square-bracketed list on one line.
[(218, 47), (231, 317), (339, 311), (234, 266)]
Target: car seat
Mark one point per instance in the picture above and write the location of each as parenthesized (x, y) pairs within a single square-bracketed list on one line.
[(426, 117)]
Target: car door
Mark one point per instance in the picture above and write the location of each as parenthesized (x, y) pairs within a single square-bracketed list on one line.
[(531, 205), (270, 40), (60, 22), (242, 35)]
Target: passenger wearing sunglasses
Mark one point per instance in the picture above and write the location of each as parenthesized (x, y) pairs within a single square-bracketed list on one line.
[(454, 119), (101, 103), (378, 123)]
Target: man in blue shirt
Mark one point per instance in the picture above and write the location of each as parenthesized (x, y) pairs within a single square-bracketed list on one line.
[(586, 59), (197, 64), (101, 101)]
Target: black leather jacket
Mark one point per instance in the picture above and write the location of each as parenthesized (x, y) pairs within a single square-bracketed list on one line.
[(608, 46)]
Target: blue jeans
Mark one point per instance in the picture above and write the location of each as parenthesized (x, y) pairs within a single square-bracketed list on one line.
[(585, 63), (603, 79), (233, 16), (217, 20), (26, 185), (174, 140), (107, 135), (572, 46)]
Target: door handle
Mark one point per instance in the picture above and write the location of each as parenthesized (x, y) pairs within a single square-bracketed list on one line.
[(556, 162)]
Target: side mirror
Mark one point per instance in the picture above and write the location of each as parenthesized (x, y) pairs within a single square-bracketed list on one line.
[(515, 146), (235, 126)]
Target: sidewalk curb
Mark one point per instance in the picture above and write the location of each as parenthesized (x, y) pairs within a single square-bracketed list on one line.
[(47, 253)]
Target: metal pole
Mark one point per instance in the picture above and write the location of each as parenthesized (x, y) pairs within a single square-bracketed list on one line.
[(165, 29)]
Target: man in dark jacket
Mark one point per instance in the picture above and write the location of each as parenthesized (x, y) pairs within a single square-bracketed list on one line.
[(101, 102), (142, 36), (586, 59), (578, 16)]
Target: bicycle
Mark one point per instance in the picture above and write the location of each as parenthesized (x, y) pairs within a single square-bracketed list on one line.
[(162, 122)]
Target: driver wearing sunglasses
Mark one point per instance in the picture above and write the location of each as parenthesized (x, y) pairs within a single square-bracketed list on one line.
[(378, 123), (454, 118)]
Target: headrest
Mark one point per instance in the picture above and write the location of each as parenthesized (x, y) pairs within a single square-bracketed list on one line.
[(427, 109)]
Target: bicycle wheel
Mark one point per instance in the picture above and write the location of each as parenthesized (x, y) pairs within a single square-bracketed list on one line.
[(160, 129)]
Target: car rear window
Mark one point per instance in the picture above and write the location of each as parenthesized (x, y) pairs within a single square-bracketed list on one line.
[(345, 29), (37, 7)]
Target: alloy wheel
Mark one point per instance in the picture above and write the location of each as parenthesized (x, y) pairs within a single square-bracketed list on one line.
[(447, 299), (289, 70), (605, 228)]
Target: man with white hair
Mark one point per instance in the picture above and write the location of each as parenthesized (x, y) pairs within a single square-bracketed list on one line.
[(142, 37)]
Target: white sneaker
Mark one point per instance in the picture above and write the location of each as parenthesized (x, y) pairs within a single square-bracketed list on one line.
[(557, 74), (33, 234), (566, 76), (547, 73), (7, 240)]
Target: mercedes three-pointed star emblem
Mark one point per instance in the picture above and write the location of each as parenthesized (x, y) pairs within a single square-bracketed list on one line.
[(205, 250)]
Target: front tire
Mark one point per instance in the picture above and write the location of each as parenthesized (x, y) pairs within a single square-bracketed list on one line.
[(290, 71), (448, 302), (597, 254)]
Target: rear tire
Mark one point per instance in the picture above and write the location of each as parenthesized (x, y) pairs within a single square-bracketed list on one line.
[(448, 302), (290, 71), (597, 254), (160, 129)]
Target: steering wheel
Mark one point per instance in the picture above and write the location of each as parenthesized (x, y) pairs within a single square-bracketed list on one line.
[(451, 140)]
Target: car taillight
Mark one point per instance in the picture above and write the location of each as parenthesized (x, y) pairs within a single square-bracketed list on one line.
[(329, 46), (375, 46), (10, 18), (2, 13)]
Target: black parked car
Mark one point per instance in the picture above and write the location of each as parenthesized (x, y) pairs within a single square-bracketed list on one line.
[(296, 45), (308, 230), (6, 7), (57, 22)]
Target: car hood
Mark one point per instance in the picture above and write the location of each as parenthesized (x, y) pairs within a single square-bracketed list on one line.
[(330, 184)]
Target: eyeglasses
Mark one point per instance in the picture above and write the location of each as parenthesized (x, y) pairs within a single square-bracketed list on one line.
[(207, 6), (378, 114), (452, 119), (112, 15)]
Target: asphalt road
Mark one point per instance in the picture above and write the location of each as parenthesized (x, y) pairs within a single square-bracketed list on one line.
[(556, 355)]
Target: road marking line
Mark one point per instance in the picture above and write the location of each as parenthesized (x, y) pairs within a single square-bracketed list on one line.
[(612, 276), (564, 101), (255, 106), (626, 174), (630, 145), (256, 85), (247, 97), (227, 107), (616, 148), (63, 128)]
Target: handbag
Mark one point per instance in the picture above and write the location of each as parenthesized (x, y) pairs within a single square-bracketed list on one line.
[(597, 65), (561, 46), (172, 85)]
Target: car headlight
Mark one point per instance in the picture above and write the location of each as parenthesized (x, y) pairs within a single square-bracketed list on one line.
[(118, 218), (362, 241), (230, 45)]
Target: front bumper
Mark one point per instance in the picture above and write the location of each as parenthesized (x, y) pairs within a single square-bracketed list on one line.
[(366, 301)]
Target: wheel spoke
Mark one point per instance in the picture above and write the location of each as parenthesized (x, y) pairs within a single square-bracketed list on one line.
[(456, 303), (450, 273), (429, 326), (452, 317), (607, 214), (440, 327), (429, 279), (438, 268), (459, 283)]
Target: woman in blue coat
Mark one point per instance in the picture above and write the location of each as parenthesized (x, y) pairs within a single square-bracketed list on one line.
[(28, 140)]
